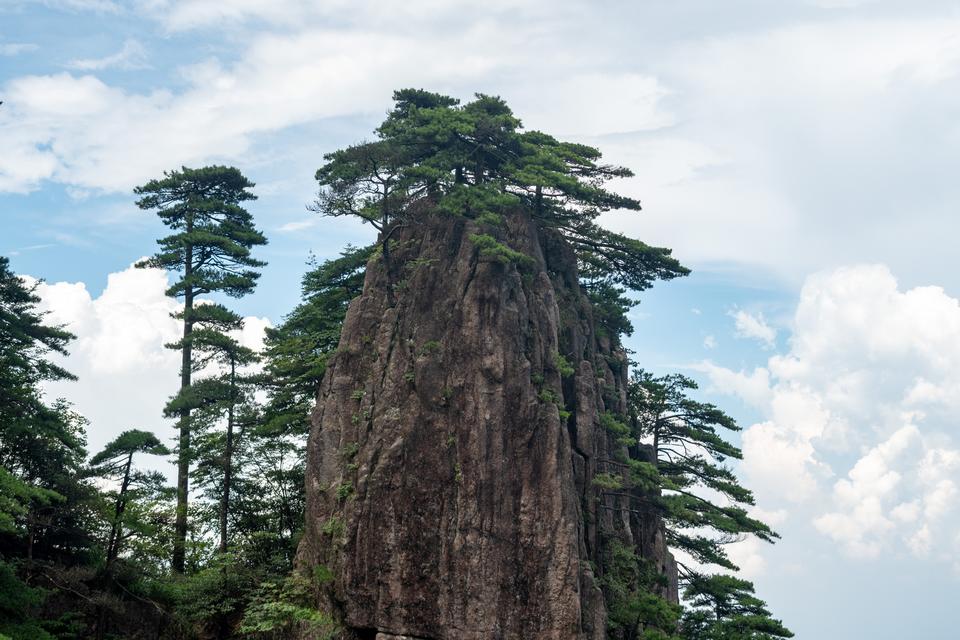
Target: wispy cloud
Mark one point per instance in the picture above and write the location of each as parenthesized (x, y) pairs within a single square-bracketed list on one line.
[(132, 56), (32, 247), (298, 225), (16, 48), (753, 326)]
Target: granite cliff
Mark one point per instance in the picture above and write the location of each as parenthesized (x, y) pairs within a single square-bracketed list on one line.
[(454, 443)]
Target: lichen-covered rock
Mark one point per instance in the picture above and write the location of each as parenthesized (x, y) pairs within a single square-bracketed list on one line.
[(450, 463)]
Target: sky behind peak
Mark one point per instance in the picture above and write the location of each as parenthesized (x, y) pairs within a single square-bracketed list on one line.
[(798, 155)]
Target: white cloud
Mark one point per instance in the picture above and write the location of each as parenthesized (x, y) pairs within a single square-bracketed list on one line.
[(859, 414), (753, 326), (78, 130), (753, 387), (125, 374), (133, 55), (296, 225), (710, 342)]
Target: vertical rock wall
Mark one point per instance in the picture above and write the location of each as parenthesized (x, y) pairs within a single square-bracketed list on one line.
[(448, 489)]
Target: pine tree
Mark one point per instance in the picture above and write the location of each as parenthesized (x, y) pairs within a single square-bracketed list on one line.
[(724, 607), (115, 462), (211, 248), (212, 344), (44, 505), (297, 350), (688, 453), (433, 154)]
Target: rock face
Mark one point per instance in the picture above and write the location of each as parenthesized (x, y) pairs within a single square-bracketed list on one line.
[(450, 462)]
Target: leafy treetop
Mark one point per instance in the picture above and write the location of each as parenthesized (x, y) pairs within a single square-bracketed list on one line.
[(476, 160), (213, 232)]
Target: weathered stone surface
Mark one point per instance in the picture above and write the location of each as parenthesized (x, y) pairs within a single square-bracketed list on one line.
[(444, 491)]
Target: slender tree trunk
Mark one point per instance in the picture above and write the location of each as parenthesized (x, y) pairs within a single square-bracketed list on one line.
[(388, 267), (31, 519), (656, 445), (183, 458), (228, 460), (113, 547)]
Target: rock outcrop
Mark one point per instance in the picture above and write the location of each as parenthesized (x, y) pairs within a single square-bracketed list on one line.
[(450, 463)]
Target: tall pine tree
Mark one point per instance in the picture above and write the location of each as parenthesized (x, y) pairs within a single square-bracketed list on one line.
[(211, 248)]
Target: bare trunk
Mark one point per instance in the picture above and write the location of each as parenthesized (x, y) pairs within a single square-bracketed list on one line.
[(228, 461), (113, 546), (183, 459)]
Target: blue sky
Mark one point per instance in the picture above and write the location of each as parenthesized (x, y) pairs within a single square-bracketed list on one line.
[(800, 156)]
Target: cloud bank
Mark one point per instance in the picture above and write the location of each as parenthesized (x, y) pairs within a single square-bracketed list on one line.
[(125, 373), (860, 415)]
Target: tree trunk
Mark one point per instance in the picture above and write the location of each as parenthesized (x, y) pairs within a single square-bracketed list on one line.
[(183, 457), (113, 546), (228, 460)]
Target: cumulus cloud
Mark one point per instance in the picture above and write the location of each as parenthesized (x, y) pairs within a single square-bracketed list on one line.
[(126, 375), (859, 414), (749, 325)]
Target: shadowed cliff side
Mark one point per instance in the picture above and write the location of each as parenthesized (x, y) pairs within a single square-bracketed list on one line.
[(454, 444)]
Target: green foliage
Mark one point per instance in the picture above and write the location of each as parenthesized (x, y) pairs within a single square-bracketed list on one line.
[(615, 427), (493, 248), (211, 244), (16, 498), (214, 597), (629, 583), (548, 396), (297, 351), (126, 444), (608, 481), (610, 422), (429, 347), (280, 608), (18, 607), (689, 452), (322, 574), (333, 527), (562, 365), (349, 450), (490, 218), (432, 153), (724, 607), (610, 307), (344, 491), (213, 233)]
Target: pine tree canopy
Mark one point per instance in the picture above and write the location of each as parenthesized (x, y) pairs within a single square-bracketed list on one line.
[(702, 500), (724, 607), (297, 350), (476, 160), (214, 233), (127, 443)]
